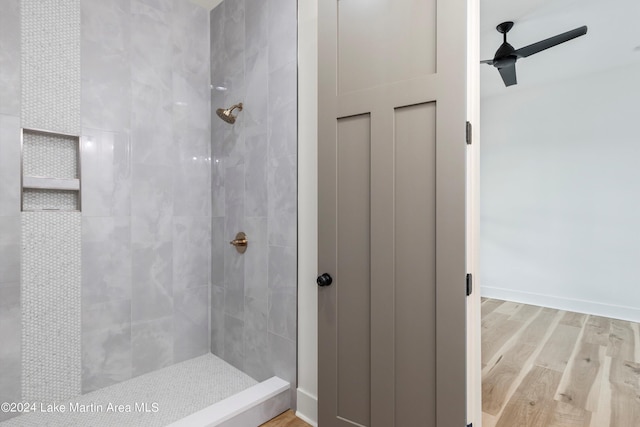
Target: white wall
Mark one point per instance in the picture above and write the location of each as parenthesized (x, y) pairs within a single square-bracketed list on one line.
[(307, 210), (560, 184)]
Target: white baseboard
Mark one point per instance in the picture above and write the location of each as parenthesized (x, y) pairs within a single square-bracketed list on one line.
[(580, 306), (307, 407)]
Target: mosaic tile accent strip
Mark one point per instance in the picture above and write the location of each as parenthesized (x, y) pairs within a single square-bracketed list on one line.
[(50, 306), (34, 199), (50, 61), (49, 155), (178, 390)]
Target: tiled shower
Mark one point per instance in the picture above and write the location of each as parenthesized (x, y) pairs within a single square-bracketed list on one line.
[(139, 275)]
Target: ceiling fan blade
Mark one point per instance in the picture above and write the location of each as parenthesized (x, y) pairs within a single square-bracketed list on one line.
[(508, 75), (487, 61), (523, 52)]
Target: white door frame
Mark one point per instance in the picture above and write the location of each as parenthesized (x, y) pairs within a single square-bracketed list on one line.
[(307, 212), (474, 364)]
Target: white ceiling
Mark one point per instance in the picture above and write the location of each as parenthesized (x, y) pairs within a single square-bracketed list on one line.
[(613, 38)]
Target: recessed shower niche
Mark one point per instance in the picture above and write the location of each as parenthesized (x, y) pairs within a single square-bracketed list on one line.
[(50, 171)]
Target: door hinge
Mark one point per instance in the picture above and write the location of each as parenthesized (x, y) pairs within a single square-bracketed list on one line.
[(469, 284), (469, 132)]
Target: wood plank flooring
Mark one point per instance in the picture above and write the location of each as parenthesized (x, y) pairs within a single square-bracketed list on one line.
[(286, 419), (543, 367)]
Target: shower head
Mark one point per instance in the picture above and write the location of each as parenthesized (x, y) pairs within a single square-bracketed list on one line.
[(227, 114)]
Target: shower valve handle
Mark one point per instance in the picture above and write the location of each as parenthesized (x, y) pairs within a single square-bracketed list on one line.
[(240, 242)]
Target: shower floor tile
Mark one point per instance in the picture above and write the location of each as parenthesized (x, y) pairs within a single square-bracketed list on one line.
[(154, 399)]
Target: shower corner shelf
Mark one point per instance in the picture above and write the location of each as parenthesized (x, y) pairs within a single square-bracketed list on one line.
[(50, 171)]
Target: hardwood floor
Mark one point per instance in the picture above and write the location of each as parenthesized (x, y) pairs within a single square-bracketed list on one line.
[(286, 419), (543, 367)]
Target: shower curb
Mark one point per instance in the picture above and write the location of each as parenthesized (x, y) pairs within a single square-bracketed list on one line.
[(251, 407)]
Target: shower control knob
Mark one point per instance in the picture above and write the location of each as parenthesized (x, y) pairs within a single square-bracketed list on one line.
[(324, 280)]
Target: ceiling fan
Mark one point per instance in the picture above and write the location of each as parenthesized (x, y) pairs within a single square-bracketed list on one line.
[(506, 56)]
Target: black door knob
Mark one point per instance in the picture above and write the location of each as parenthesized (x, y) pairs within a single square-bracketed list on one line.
[(324, 280)]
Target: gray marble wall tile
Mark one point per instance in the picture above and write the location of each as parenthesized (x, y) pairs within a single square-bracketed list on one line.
[(218, 246), (106, 357), (10, 58), (10, 159), (217, 180), (282, 85), (151, 203), (191, 323), (191, 75), (191, 252), (234, 303), (257, 26), (282, 312), (283, 33), (105, 62), (233, 351), (218, 56), (151, 122), (10, 350), (217, 320), (190, 38), (256, 183), (191, 110), (283, 267), (282, 201), (152, 345), (106, 315), (146, 186), (234, 34), (256, 346), (233, 269), (256, 263), (9, 263), (10, 378), (233, 147), (257, 99), (151, 19), (282, 359), (283, 111), (10, 322), (234, 222), (283, 130), (106, 173), (234, 199), (158, 5), (10, 230), (152, 293), (151, 73), (192, 187), (106, 259)]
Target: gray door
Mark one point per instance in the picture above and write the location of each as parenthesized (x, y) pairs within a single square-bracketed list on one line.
[(392, 76)]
